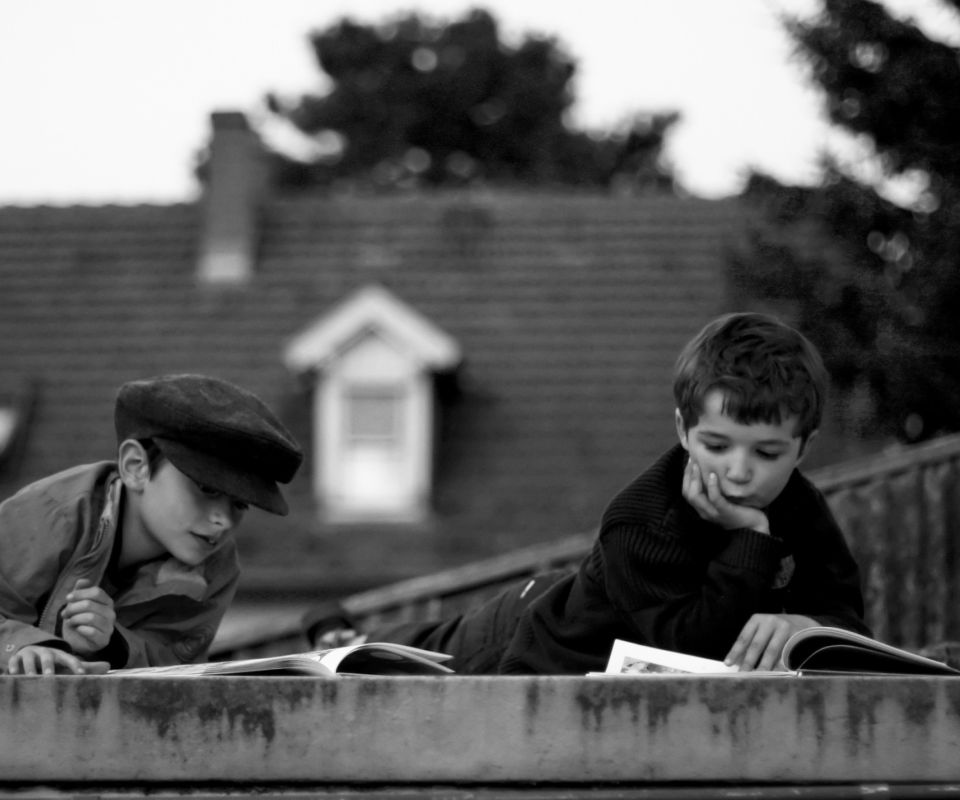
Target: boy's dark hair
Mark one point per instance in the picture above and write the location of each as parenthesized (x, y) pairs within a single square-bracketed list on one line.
[(764, 368)]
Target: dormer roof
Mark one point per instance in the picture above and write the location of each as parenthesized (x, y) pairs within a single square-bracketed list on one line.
[(372, 309)]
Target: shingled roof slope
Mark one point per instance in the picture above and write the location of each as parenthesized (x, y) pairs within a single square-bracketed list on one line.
[(569, 309)]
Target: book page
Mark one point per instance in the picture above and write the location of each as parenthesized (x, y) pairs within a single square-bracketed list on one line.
[(826, 649), (628, 658), (372, 658), (298, 664), (378, 658)]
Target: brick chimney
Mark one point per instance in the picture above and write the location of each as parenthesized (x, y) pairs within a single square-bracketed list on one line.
[(230, 205)]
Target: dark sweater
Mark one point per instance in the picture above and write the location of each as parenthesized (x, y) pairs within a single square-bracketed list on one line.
[(660, 575)]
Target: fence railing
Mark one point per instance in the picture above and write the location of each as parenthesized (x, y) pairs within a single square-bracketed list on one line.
[(900, 512)]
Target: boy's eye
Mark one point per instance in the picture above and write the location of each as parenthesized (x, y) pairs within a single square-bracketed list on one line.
[(769, 455), (209, 491), (715, 448), (239, 505)]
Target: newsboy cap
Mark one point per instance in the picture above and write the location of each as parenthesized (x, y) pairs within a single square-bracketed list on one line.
[(215, 433)]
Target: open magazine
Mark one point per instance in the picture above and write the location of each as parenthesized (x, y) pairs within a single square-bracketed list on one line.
[(834, 650), (820, 650), (370, 658)]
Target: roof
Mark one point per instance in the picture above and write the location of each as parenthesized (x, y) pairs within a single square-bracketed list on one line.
[(569, 310)]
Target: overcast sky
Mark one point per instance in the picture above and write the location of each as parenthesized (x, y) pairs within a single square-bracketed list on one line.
[(109, 100)]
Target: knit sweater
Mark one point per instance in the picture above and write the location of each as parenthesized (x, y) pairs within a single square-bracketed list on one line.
[(660, 575)]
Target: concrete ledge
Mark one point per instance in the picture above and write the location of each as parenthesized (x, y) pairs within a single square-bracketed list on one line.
[(457, 730)]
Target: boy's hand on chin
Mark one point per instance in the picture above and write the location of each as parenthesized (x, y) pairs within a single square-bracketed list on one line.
[(761, 641), (711, 505)]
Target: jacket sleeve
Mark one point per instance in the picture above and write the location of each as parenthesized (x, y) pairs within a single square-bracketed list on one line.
[(826, 585), (172, 628), (36, 542), (677, 597)]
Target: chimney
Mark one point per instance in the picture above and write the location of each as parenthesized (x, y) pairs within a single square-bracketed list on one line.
[(236, 178)]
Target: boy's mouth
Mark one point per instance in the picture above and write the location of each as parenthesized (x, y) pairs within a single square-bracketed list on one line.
[(205, 541)]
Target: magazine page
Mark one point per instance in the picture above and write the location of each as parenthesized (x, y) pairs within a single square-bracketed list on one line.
[(628, 658), (373, 658), (380, 658), (826, 649), (298, 664)]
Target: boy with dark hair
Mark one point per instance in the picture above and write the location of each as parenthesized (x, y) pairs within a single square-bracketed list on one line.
[(720, 549), (132, 563)]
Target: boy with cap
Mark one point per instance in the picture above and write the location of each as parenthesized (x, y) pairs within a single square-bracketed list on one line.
[(132, 563)]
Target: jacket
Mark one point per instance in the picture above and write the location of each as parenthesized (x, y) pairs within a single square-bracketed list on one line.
[(62, 528)]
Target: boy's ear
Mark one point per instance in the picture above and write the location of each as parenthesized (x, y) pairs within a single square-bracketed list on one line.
[(805, 446), (133, 464), (681, 429)]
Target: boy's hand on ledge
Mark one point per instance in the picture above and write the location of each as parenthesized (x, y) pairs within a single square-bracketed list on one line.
[(88, 618), (38, 660), (761, 641), (708, 501)]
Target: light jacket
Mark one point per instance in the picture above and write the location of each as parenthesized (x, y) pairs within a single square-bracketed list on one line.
[(62, 528)]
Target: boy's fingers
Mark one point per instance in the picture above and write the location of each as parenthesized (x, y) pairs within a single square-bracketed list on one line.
[(771, 656), (713, 490), (47, 664), (754, 650), (694, 492), (88, 620), (79, 586), (94, 594), (89, 607), (766, 647), (43, 661), (71, 662), (743, 640)]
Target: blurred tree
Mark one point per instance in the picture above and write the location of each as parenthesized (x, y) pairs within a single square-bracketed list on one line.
[(883, 306), (420, 103)]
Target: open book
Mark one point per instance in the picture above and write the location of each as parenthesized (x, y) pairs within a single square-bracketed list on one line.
[(370, 658), (838, 651), (820, 650)]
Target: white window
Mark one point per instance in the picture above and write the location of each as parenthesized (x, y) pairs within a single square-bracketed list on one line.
[(374, 359), (374, 417)]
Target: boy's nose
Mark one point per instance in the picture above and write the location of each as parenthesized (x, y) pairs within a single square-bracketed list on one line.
[(738, 470), (223, 515)]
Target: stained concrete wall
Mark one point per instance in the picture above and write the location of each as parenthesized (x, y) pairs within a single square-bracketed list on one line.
[(460, 730)]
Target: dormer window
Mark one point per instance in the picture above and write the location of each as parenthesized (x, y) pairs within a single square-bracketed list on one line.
[(374, 358)]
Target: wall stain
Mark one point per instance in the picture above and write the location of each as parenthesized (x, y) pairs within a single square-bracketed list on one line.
[(89, 696), (532, 705), (657, 699), (207, 700), (861, 717), (812, 700)]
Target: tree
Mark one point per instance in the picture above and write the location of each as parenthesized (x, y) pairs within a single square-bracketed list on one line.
[(883, 308), (421, 103)]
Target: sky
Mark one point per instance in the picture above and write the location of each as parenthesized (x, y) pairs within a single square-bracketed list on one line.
[(108, 101)]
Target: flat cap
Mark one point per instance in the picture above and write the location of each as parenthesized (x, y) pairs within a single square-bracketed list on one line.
[(214, 432)]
